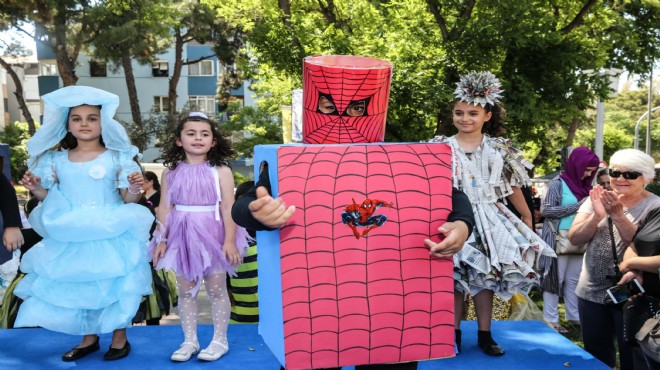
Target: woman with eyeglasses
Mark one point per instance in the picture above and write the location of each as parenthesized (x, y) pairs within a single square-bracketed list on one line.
[(626, 204)]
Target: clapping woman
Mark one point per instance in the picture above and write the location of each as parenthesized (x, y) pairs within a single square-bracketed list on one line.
[(625, 205)]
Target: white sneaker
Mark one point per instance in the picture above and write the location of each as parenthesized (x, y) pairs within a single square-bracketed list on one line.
[(185, 351), (214, 351)]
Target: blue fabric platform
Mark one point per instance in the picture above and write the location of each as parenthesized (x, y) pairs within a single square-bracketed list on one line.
[(528, 345)]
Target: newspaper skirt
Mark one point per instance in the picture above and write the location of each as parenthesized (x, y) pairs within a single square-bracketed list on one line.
[(500, 255)]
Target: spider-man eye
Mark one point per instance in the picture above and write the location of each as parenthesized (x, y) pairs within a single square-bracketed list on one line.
[(357, 108), (326, 105)]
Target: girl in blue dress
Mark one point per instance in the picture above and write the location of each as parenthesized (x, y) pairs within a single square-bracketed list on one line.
[(89, 273)]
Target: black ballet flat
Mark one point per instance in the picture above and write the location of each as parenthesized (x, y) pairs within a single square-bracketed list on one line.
[(492, 349), (117, 353), (78, 353)]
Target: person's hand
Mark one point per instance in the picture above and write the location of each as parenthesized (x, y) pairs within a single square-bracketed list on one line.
[(271, 212), (159, 252), (31, 182), (456, 233), (12, 238), (624, 266), (611, 203), (628, 277), (231, 253), (597, 203), (136, 180)]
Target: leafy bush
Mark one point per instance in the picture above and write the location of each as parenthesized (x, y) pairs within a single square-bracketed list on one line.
[(16, 135), (654, 187)]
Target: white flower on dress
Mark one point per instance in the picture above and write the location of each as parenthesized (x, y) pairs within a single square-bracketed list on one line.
[(97, 172)]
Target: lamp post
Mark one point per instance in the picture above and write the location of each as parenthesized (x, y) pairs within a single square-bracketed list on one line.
[(640, 121), (613, 74), (648, 127)]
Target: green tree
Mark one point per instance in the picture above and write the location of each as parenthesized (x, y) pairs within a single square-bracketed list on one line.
[(624, 111), (14, 49), (196, 21), (541, 51), (16, 135), (62, 25), (253, 126), (135, 30)]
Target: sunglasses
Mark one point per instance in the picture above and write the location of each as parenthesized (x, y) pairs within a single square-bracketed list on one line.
[(628, 175)]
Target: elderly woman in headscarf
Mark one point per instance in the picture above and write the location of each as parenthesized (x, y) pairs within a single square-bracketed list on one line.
[(565, 195), (625, 205)]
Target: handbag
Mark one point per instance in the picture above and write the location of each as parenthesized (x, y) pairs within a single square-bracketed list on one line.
[(563, 245), (636, 313), (648, 338)]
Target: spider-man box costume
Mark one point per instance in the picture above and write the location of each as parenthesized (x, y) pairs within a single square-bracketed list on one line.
[(348, 279)]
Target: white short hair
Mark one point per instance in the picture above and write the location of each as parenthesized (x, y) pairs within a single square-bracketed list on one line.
[(634, 160)]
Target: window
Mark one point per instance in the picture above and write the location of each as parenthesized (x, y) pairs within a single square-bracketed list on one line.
[(97, 68), (31, 69), (204, 104), (48, 69), (161, 104), (203, 68), (160, 68), (222, 69)]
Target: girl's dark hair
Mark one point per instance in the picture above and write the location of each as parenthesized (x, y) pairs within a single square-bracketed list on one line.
[(148, 175), (495, 126), (217, 156)]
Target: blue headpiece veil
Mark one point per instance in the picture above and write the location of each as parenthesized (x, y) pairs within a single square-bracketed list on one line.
[(56, 112)]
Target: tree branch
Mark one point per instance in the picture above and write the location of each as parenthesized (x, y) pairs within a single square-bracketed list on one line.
[(579, 18), (439, 19), (285, 7), (193, 61), (328, 11), (465, 15), (19, 95)]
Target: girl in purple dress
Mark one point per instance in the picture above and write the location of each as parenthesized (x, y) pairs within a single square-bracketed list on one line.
[(196, 236)]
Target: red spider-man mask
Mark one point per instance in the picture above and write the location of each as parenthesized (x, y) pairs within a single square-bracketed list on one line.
[(345, 99)]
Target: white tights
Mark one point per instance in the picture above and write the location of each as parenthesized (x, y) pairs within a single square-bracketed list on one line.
[(216, 288)]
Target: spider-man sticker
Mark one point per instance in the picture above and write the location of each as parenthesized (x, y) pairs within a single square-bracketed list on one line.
[(345, 99), (358, 286), (364, 215)]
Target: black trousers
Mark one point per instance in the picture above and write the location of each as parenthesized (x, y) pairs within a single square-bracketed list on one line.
[(602, 326)]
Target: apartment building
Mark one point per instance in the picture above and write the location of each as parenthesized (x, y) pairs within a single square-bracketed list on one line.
[(196, 89)]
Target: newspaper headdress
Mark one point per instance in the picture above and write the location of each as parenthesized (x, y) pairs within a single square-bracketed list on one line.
[(479, 88)]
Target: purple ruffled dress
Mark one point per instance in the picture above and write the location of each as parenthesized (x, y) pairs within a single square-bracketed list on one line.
[(196, 229)]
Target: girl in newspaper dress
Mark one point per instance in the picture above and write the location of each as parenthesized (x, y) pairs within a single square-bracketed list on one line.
[(89, 273), (499, 256), (196, 236)]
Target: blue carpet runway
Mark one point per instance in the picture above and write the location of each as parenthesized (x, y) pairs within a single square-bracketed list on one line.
[(528, 345)]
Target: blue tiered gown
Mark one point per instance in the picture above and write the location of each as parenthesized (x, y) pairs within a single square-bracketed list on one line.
[(89, 273)]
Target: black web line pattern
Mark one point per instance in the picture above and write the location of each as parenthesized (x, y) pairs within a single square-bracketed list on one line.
[(326, 164), (329, 129)]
